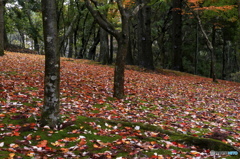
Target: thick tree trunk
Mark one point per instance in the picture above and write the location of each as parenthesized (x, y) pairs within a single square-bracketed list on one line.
[(119, 68), (104, 47), (129, 57), (70, 44), (144, 38), (50, 111), (1, 28), (177, 35), (111, 50), (123, 42)]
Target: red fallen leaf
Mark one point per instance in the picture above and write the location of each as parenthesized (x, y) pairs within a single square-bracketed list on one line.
[(237, 144), (134, 152), (2, 115), (29, 137), (128, 128), (39, 104), (64, 150), (48, 148), (82, 142), (38, 137), (15, 133), (75, 131), (42, 143), (32, 125), (1, 125), (69, 139), (166, 137), (181, 146)]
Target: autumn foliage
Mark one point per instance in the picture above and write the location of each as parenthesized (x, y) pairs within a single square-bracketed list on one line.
[(173, 101)]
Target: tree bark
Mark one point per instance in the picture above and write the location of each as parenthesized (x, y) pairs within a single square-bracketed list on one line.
[(92, 50), (224, 58), (238, 2), (144, 37), (122, 40), (50, 111), (129, 56), (196, 52), (111, 50), (1, 28), (177, 35), (104, 47)]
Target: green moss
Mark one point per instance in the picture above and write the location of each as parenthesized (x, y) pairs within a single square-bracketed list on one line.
[(98, 105), (31, 88), (36, 99)]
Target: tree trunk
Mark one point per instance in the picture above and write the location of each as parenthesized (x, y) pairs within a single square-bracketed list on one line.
[(104, 47), (210, 47), (196, 52), (224, 58), (119, 68), (36, 44), (144, 32), (1, 28), (129, 57), (238, 2), (177, 35), (122, 38), (92, 50), (50, 111), (70, 44), (213, 58), (111, 50)]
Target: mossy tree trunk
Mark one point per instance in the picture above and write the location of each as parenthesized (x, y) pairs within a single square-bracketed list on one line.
[(50, 111)]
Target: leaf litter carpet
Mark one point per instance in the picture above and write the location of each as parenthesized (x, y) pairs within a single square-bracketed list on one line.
[(184, 103)]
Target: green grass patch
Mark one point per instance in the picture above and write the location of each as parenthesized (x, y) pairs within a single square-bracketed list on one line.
[(31, 88)]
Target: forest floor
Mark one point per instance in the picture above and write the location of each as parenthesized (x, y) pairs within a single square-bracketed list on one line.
[(165, 114)]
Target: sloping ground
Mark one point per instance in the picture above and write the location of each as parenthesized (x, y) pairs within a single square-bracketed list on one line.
[(162, 116)]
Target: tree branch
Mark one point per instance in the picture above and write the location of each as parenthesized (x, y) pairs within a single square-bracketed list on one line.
[(102, 21)]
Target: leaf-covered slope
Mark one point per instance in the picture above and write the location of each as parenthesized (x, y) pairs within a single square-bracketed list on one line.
[(187, 104)]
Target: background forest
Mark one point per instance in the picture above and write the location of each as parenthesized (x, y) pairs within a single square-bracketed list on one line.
[(164, 34)]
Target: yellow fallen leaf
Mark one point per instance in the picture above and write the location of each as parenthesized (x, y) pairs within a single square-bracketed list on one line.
[(11, 155)]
